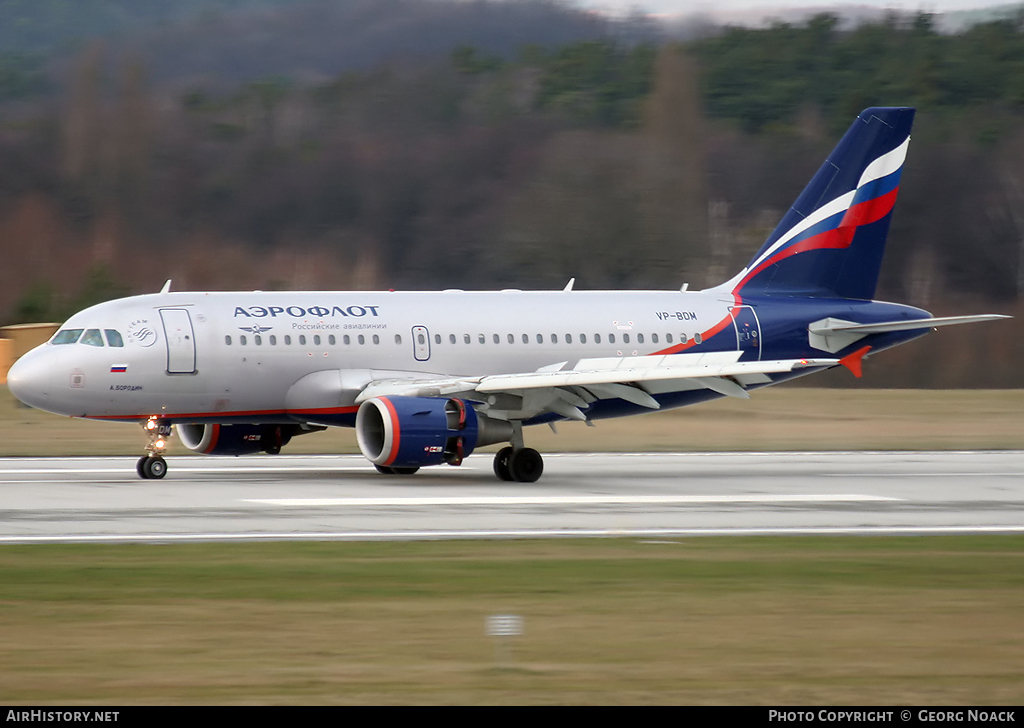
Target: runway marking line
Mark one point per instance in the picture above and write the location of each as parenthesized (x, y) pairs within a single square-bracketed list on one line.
[(515, 500)]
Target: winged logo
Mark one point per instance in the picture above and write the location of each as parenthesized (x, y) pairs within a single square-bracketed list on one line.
[(255, 329)]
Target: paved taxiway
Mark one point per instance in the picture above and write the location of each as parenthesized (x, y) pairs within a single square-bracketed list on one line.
[(648, 495)]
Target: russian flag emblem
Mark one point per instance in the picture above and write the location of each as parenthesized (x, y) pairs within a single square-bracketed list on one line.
[(118, 368)]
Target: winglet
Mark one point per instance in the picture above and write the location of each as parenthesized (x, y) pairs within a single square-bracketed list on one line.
[(167, 287), (853, 361)]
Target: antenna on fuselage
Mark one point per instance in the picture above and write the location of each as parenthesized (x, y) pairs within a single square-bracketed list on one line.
[(167, 287), (568, 286)]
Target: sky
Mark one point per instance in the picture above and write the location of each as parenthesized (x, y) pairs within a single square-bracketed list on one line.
[(687, 7)]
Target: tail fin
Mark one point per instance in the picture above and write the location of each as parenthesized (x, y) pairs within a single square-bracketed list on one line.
[(831, 241)]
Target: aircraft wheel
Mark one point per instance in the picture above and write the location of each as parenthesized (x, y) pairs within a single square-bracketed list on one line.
[(526, 465), (501, 464), (140, 467), (154, 468)]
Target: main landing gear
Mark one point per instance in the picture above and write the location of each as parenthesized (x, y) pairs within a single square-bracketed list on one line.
[(152, 466), (516, 462), (524, 465)]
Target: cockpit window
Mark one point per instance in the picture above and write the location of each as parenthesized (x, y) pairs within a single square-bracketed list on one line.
[(92, 338), (113, 338), (67, 336)]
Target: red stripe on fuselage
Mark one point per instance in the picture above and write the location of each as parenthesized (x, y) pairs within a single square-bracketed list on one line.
[(241, 413), (705, 335)]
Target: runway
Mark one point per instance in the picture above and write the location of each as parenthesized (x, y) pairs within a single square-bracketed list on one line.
[(591, 495)]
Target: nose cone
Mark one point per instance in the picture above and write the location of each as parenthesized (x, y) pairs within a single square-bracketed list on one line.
[(32, 380)]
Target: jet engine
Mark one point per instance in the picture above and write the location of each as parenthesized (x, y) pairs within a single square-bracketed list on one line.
[(409, 432), (235, 439)]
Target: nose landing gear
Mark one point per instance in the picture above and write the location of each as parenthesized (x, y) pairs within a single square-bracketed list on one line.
[(152, 466)]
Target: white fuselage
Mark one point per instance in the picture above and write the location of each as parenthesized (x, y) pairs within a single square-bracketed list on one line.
[(196, 356)]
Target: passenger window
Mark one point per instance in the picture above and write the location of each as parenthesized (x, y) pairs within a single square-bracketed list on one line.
[(682, 338), (302, 339), (316, 340), (114, 338), (92, 338), (227, 340), (511, 339), (583, 338), (568, 338), (554, 338), (451, 338), (437, 338), (332, 340), (639, 338), (273, 340), (241, 339), (398, 339), (540, 338), (697, 338), (467, 338), (483, 339), (654, 338), (611, 338), (526, 338), (67, 336), (362, 339), (496, 339), (258, 340), (287, 340), (625, 338), (346, 339), (376, 339), (597, 338)]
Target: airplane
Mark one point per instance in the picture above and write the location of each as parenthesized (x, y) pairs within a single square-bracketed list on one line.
[(426, 378)]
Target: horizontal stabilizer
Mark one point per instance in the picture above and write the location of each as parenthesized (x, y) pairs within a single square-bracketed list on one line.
[(833, 334), (835, 326)]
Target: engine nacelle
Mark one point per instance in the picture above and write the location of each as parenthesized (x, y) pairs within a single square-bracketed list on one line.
[(416, 431), (235, 439)]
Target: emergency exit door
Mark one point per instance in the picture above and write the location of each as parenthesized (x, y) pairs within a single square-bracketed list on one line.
[(420, 343)]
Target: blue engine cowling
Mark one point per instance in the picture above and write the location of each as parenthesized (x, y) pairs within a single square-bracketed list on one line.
[(417, 431), (235, 439)]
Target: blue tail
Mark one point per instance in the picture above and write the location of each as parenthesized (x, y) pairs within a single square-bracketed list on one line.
[(831, 241)]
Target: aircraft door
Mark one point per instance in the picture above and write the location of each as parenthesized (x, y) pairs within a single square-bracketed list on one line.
[(420, 343), (748, 332), (181, 341)]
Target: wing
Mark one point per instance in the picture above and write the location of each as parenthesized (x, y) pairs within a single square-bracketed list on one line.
[(568, 390)]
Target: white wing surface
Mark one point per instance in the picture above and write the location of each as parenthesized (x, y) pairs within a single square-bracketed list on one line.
[(568, 389)]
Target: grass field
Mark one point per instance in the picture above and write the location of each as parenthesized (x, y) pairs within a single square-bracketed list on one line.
[(773, 419), (854, 621)]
